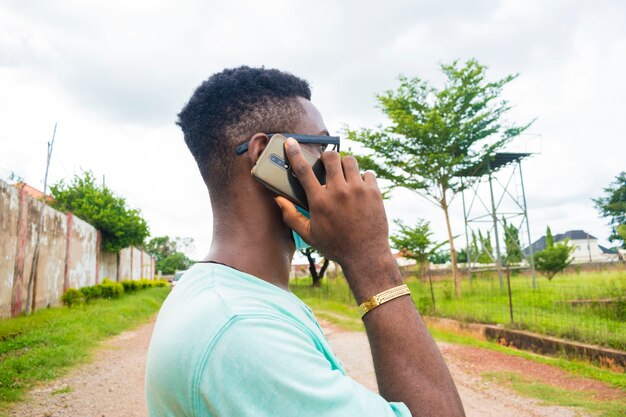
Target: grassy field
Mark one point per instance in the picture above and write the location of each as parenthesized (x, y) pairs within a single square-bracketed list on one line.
[(44, 345), (347, 317), (548, 309)]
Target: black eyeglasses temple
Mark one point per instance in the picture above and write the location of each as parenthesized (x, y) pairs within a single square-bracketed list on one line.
[(317, 139)]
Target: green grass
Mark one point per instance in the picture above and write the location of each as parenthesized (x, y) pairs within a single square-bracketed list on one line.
[(544, 310), (44, 345), (346, 317), (551, 395)]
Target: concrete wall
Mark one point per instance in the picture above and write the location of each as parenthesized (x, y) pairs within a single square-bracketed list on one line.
[(9, 208), (69, 254)]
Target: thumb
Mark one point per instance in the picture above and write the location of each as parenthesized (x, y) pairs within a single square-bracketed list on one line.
[(294, 219)]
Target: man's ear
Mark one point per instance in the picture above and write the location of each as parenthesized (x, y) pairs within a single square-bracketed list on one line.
[(256, 146)]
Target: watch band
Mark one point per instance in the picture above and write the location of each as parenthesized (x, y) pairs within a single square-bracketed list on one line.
[(381, 298)]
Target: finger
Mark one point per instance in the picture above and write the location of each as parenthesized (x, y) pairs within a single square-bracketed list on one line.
[(369, 177), (301, 168), (332, 165), (294, 219), (351, 169)]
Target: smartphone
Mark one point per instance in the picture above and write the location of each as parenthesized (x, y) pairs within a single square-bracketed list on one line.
[(274, 172)]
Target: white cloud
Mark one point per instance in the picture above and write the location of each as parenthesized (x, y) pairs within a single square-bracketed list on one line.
[(114, 74)]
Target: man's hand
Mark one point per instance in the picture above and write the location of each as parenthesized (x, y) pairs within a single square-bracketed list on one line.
[(348, 221), (348, 224)]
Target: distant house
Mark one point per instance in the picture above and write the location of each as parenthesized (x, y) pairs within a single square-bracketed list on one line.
[(586, 247), (403, 260)]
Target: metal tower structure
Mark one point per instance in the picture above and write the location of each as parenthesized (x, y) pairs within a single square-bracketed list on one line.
[(494, 195)]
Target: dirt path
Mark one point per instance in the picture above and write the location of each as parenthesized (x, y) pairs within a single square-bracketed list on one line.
[(112, 386)]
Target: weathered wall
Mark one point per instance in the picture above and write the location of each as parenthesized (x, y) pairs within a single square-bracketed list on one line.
[(125, 264), (9, 208), (52, 251), (108, 266), (69, 255)]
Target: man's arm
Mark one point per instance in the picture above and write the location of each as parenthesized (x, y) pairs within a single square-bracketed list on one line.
[(348, 224)]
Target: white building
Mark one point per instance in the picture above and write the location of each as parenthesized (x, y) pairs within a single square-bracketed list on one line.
[(586, 248)]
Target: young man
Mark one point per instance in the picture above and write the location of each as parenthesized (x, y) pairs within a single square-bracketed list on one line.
[(231, 340)]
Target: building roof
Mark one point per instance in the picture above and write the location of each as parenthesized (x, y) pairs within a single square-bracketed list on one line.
[(610, 251), (32, 191), (540, 244)]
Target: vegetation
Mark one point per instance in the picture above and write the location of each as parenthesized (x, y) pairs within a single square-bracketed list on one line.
[(169, 253), (415, 243), (550, 309), (554, 258), (316, 276), (551, 395), (99, 206), (434, 134), (44, 345), (345, 315), (107, 289), (513, 247), (613, 206)]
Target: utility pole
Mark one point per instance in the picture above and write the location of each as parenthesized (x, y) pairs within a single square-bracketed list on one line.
[(32, 280)]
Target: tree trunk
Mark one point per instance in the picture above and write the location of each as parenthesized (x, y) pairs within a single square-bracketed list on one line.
[(432, 292), (324, 267), (316, 279), (456, 275)]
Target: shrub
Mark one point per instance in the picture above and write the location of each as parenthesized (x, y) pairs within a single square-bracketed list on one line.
[(73, 297), (91, 293), (111, 289), (130, 285)]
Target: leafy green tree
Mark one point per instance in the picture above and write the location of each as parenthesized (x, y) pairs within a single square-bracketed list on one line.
[(177, 261), (549, 238), (461, 256), (621, 231), (316, 276), (554, 258), (613, 206), (486, 249), (441, 257), (434, 134), (416, 243), (512, 244), (169, 253), (120, 225)]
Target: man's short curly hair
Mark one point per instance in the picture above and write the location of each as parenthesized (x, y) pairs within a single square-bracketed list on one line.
[(230, 107)]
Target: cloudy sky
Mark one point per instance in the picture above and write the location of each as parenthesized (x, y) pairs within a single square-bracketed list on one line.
[(114, 74)]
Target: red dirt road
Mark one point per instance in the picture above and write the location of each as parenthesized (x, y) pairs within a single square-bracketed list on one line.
[(112, 385)]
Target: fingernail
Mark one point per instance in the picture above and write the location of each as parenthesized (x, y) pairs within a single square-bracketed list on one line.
[(291, 142)]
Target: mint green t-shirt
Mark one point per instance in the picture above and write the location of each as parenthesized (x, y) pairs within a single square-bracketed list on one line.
[(229, 344)]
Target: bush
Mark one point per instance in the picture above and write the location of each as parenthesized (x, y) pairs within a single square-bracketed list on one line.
[(91, 293), (73, 297), (111, 289), (107, 289), (130, 285)]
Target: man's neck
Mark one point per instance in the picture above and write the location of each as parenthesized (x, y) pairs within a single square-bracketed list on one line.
[(251, 246)]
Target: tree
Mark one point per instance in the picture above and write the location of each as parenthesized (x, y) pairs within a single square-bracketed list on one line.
[(441, 257), (177, 261), (416, 243), (512, 244), (554, 258), (99, 206), (169, 253), (434, 134), (486, 249), (613, 206), (315, 275)]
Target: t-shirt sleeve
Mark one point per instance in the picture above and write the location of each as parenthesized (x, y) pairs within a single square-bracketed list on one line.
[(268, 367)]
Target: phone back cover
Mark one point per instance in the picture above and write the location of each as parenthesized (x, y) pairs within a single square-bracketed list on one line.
[(272, 170)]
